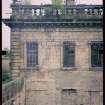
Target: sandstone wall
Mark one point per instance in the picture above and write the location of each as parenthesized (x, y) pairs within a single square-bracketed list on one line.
[(44, 86)]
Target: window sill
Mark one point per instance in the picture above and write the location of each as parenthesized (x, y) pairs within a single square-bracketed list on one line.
[(96, 68), (36, 68), (68, 68)]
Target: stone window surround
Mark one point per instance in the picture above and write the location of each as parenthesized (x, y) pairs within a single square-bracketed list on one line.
[(61, 61), (75, 67), (32, 50), (90, 67), (72, 48), (25, 57)]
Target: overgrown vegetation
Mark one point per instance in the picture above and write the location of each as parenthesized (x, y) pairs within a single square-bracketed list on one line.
[(57, 4), (6, 76)]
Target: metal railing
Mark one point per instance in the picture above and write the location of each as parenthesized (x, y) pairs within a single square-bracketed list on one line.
[(10, 90)]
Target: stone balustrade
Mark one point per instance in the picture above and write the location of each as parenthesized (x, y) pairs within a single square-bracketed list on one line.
[(49, 11)]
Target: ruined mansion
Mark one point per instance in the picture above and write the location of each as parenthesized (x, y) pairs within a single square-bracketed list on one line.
[(59, 50)]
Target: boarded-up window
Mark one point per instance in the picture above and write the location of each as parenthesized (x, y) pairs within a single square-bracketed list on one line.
[(96, 54), (32, 54), (68, 54), (69, 97)]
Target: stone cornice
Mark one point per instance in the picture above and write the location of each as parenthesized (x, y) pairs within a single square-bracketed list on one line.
[(30, 23)]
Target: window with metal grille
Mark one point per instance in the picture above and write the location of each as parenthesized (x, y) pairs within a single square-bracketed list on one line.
[(32, 54), (68, 54), (97, 54)]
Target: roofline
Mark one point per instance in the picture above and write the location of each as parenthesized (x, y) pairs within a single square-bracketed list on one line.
[(12, 23), (42, 6)]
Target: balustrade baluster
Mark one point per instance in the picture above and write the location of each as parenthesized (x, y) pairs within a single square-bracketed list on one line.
[(43, 12), (95, 11), (32, 12), (49, 11), (37, 12), (54, 12), (101, 11), (86, 11), (59, 12), (74, 11), (69, 11)]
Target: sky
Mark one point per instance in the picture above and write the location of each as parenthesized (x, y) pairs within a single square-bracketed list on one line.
[(6, 11)]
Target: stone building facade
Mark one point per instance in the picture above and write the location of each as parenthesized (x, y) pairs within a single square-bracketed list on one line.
[(6, 61), (61, 57)]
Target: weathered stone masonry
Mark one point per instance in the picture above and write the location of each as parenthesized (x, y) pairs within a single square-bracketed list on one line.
[(50, 83)]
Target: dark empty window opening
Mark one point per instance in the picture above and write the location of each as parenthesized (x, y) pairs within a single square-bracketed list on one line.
[(97, 54), (32, 54), (69, 91), (68, 54)]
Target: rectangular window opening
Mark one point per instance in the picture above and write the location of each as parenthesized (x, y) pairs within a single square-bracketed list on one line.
[(32, 54), (68, 54), (97, 54)]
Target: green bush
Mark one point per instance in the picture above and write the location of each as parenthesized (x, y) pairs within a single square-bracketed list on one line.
[(6, 76), (57, 4)]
